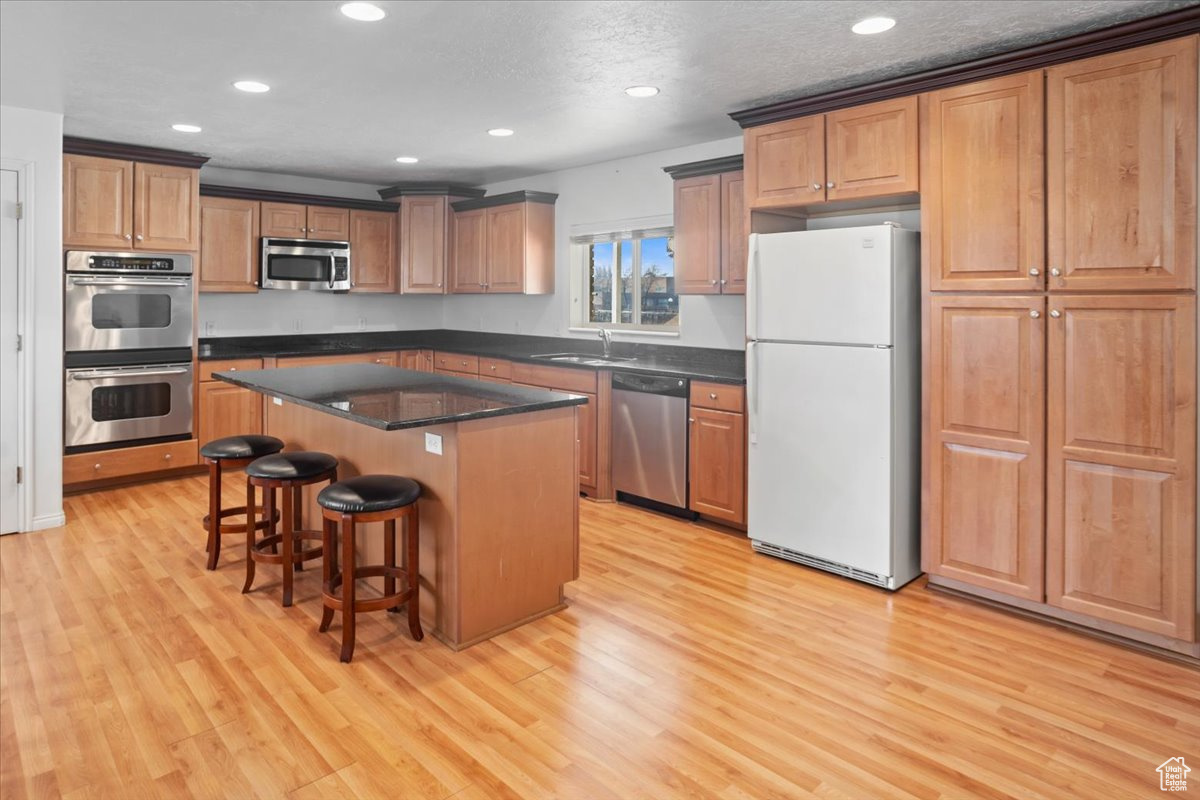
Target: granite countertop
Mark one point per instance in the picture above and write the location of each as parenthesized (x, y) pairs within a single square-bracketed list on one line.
[(391, 399), (696, 363)]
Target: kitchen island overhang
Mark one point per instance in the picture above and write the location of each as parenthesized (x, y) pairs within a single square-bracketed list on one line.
[(498, 469)]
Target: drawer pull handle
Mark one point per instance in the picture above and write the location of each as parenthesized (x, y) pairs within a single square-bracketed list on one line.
[(712, 395), (167, 457), (96, 467)]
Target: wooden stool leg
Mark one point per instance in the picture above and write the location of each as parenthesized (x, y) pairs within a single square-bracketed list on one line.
[(297, 521), (347, 588), (389, 558), (213, 547), (268, 506), (328, 565), (289, 542), (412, 537)]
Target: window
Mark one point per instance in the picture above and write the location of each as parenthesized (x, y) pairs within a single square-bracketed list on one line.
[(629, 280)]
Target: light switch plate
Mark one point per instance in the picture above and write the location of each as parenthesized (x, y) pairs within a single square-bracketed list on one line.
[(433, 443)]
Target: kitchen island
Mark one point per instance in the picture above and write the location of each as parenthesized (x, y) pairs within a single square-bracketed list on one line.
[(496, 464)]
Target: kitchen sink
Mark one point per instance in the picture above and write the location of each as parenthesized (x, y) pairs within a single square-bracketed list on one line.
[(591, 360)]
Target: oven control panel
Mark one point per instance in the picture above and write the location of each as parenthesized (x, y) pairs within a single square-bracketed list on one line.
[(144, 263)]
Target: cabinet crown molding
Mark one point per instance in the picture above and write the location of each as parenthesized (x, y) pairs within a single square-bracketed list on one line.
[(77, 146), (709, 166), (269, 196), (411, 188), (505, 199)]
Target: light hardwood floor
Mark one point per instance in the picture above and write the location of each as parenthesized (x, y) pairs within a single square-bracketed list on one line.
[(685, 666)]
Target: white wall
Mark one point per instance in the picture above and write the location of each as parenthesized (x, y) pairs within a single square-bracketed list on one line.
[(629, 188), (34, 139)]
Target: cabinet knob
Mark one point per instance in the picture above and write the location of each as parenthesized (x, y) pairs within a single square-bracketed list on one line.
[(233, 369), (140, 237), (723, 281), (829, 185), (97, 466), (439, 284), (1055, 272), (127, 238), (816, 187), (1054, 312), (1034, 272), (303, 230), (714, 283), (712, 395), (167, 457), (1034, 313), (493, 367), (463, 363), (691, 419)]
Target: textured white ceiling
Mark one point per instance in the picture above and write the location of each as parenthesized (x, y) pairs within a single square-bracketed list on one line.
[(347, 97)]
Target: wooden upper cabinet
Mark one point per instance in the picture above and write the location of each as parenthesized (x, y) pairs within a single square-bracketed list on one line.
[(735, 239), (372, 251), (467, 268), (332, 224), (872, 150), (982, 212), (698, 235), (1121, 472), (785, 163), (166, 207), (97, 203), (506, 249), (424, 223), (229, 249), (285, 220), (984, 442), (1121, 169)]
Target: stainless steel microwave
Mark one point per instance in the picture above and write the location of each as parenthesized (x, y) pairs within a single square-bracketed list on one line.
[(305, 264)]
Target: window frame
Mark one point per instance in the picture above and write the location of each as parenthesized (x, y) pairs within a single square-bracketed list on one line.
[(617, 239)]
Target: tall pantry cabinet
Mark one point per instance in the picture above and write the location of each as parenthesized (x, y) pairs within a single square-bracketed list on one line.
[(1058, 215)]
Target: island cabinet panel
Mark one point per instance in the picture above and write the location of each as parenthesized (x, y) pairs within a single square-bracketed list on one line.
[(468, 255), (372, 251), (1121, 169), (698, 235), (229, 247), (985, 442), (785, 163), (982, 204), (424, 228), (1121, 477), (166, 207), (285, 220), (227, 410), (97, 203)]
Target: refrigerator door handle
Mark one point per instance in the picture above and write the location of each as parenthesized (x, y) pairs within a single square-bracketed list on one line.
[(752, 388), (752, 289)]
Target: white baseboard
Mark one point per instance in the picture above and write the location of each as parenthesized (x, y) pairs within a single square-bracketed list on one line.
[(46, 521)]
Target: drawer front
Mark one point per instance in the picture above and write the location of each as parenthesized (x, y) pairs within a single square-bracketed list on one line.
[(207, 368), (385, 358), (718, 396), (456, 362), (495, 368), (579, 381), (128, 461)]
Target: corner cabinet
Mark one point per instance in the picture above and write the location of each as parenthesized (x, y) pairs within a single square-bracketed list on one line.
[(115, 204), (503, 244), (710, 240)]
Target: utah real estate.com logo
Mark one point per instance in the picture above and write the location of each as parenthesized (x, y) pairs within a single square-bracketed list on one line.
[(1172, 775)]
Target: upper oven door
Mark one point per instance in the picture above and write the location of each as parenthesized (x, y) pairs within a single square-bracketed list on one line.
[(127, 312), (308, 265)]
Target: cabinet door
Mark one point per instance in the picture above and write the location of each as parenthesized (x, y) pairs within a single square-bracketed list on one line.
[(426, 361), (871, 150), (227, 410), (97, 203), (735, 239), (331, 224), (423, 245), (585, 430), (409, 359), (284, 220), (984, 442), (229, 248), (1121, 471), (372, 251), (717, 464), (1121, 169), (698, 235), (785, 163), (506, 249), (467, 274), (983, 221), (166, 207)]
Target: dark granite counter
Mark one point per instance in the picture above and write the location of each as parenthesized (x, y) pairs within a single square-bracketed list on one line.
[(391, 399), (697, 363)]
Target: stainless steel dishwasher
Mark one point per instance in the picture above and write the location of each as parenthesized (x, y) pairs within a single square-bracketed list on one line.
[(649, 438)]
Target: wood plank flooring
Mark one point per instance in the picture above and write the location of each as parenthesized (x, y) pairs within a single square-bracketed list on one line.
[(685, 666)]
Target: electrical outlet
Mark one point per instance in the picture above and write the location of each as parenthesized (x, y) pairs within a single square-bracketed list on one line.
[(362, 323), (433, 443), (209, 327), (296, 325)]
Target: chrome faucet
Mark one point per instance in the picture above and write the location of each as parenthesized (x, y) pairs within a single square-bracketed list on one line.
[(606, 335)]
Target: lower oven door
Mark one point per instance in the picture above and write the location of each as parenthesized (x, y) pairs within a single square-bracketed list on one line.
[(124, 404), (127, 312)]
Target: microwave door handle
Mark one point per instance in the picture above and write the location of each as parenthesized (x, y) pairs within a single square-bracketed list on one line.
[(100, 374)]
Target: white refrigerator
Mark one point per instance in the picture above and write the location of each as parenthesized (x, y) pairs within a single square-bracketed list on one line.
[(833, 389)]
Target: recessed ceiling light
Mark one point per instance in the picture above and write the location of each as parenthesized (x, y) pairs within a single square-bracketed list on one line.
[(500, 132), (251, 86), (407, 159), (363, 12), (642, 91), (182, 128), (874, 25)]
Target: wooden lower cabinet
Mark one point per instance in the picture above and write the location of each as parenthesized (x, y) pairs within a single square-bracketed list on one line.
[(388, 359), (587, 417), (1121, 450), (126, 461), (717, 464), (984, 442), (227, 410), (411, 359)]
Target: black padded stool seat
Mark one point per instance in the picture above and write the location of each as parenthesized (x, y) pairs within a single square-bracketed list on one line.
[(249, 446), (292, 466), (231, 452), (368, 493)]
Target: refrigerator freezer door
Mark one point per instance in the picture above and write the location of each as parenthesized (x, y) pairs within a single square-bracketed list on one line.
[(822, 286), (820, 452)]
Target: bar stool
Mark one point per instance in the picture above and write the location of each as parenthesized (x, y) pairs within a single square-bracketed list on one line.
[(231, 452), (289, 472), (370, 498)]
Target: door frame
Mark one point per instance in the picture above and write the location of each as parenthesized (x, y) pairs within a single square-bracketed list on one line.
[(25, 196)]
